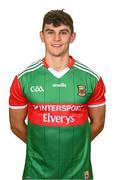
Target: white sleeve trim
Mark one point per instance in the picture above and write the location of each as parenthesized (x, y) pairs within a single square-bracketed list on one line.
[(97, 105), (17, 107)]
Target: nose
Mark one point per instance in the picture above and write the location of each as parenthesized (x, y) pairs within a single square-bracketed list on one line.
[(57, 37)]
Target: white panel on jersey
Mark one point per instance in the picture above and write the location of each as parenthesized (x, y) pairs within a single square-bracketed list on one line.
[(59, 74), (17, 107), (97, 105)]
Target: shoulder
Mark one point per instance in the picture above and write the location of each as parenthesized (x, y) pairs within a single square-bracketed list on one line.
[(86, 71), (31, 68)]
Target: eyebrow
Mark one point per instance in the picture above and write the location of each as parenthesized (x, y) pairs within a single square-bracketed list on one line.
[(49, 30), (64, 30), (60, 30)]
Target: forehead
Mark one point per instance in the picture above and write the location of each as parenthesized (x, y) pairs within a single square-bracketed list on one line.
[(58, 28)]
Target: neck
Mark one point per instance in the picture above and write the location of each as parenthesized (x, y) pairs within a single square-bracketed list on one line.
[(57, 63)]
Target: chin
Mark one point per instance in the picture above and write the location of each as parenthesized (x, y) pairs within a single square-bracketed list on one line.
[(57, 55)]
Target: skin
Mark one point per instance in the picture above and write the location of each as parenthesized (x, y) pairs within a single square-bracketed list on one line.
[(17, 123), (57, 41), (97, 118)]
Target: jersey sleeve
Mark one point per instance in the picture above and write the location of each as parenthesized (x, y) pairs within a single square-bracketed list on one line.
[(17, 100), (98, 96)]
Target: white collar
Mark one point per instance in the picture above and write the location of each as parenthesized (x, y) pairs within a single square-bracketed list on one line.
[(59, 74)]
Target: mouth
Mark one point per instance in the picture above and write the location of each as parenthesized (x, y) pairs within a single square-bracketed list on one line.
[(56, 45)]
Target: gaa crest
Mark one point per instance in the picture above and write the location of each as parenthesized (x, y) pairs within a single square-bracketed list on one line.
[(81, 90)]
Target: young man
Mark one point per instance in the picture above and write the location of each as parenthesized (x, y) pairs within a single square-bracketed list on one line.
[(65, 104)]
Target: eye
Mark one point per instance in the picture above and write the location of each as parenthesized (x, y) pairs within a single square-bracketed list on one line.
[(49, 32), (63, 32)]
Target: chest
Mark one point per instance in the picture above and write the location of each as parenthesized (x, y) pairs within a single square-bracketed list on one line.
[(46, 88)]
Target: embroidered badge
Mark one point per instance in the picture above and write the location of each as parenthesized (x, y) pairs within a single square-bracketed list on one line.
[(86, 175), (81, 90)]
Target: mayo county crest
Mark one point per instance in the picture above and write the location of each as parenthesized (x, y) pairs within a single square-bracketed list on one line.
[(86, 175), (81, 90)]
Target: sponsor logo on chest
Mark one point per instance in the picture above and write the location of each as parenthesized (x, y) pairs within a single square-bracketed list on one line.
[(58, 114)]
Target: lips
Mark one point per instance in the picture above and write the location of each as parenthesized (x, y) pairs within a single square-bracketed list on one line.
[(56, 45)]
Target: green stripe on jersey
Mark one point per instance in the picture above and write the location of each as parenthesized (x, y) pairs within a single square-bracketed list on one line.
[(32, 67), (86, 69), (34, 63)]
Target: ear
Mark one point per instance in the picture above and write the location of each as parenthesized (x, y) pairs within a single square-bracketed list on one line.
[(73, 36), (41, 36)]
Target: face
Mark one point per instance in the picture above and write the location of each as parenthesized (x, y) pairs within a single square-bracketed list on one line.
[(57, 39)]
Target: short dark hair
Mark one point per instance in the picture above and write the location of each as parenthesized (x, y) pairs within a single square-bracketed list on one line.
[(58, 17)]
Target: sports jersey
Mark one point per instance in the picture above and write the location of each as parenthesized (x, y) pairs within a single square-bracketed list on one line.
[(58, 130)]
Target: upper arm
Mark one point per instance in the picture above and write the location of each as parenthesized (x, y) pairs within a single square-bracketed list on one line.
[(97, 114), (17, 104), (17, 117), (96, 104)]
